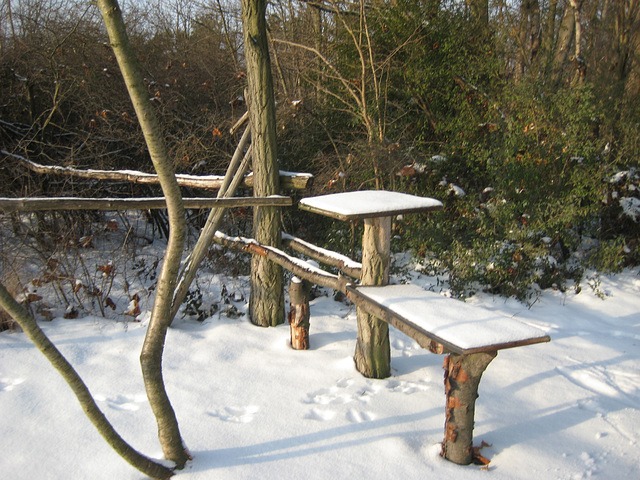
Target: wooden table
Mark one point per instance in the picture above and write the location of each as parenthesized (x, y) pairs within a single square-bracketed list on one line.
[(375, 208)]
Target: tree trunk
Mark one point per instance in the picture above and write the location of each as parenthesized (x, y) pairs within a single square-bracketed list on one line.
[(461, 379), (299, 313), (563, 43), (152, 350), (529, 35), (266, 302), (88, 404), (373, 353), (632, 81)]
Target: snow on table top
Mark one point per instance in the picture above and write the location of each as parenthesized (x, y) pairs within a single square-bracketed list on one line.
[(452, 322), (368, 204)]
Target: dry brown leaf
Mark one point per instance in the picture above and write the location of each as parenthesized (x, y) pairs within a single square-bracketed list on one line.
[(32, 297), (134, 307), (109, 303), (106, 269), (112, 225)]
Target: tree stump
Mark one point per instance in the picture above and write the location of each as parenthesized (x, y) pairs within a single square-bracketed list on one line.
[(299, 314), (461, 379)]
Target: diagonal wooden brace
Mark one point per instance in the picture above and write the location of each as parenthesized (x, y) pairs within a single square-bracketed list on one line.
[(462, 374)]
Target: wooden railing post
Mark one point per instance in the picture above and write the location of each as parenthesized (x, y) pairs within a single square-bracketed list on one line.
[(299, 315)]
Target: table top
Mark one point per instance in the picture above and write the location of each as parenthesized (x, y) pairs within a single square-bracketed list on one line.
[(368, 204)]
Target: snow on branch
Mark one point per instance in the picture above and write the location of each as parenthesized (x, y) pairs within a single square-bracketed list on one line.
[(322, 255), (288, 180), (298, 267)]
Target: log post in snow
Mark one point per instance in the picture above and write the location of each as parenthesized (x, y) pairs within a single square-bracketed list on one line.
[(462, 375), (373, 353), (299, 314)]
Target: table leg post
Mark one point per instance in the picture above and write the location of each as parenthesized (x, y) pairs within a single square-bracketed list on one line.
[(373, 353), (461, 379)]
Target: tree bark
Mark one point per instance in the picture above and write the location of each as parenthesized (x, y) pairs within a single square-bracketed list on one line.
[(152, 350), (299, 313), (565, 38), (82, 393), (461, 379), (266, 302), (373, 353)]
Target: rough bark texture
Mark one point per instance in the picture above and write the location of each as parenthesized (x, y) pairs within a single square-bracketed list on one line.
[(266, 302), (91, 409), (563, 45), (152, 350), (373, 353), (461, 379), (299, 313)]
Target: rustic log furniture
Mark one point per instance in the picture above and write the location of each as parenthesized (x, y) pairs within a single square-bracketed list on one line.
[(375, 208), (469, 336)]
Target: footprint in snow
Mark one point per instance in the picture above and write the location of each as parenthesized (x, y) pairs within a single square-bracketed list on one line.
[(327, 396), (344, 382), (8, 384), (355, 416), (236, 414), (130, 403), (320, 415), (405, 387)]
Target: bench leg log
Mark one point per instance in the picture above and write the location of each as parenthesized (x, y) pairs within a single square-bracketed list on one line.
[(461, 379), (299, 313)]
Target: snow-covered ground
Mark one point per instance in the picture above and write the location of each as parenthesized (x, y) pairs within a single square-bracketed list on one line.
[(251, 407)]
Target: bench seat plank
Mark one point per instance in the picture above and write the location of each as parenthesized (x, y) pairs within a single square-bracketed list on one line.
[(461, 328)]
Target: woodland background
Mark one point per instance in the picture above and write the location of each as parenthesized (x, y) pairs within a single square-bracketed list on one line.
[(522, 116)]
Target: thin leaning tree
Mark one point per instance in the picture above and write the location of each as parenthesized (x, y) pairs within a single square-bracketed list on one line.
[(30, 327), (153, 348)]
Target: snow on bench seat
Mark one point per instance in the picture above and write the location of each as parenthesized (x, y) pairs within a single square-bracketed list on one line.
[(461, 328)]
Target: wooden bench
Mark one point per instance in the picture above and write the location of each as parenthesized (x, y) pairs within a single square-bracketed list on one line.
[(470, 336)]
